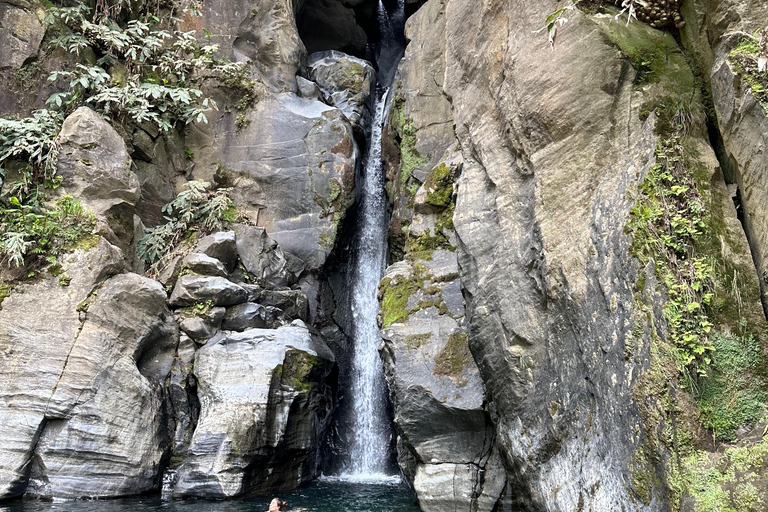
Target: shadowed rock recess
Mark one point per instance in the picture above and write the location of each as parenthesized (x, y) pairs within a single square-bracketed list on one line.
[(573, 309)]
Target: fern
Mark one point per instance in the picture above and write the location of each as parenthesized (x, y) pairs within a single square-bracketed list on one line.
[(198, 208)]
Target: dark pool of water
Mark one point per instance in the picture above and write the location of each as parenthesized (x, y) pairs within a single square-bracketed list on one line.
[(321, 496)]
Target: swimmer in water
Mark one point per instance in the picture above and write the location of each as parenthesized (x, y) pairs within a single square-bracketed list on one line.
[(277, 505)]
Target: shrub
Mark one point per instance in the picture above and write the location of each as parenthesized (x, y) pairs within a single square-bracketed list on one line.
[(197, 209), (35, 230), (144, 72)]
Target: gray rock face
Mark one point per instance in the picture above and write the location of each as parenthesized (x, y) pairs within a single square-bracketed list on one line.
[(714, 30), (550, 158), (191, 289), (260, 32), (263, 408), (73, 429), (33, 353), (244, 316), (21, 33), (220, 245), (347, 83), (293, 172), (96, 169)]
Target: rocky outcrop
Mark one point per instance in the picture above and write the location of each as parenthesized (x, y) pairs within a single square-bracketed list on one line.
[(96, 169), (82, 383), (446, 440), (348, 84), (714, 31), (264, 400), (550, 155)]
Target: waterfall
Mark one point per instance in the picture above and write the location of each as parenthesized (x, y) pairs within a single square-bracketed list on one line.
[(372, 435)]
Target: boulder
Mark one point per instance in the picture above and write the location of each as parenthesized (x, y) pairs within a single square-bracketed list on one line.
[(293, 173), (96, 169), (347, 83), (83, 407), (244, 316), (201, 325), (264, 403), (203, 265), (191, 289), (220, 245)]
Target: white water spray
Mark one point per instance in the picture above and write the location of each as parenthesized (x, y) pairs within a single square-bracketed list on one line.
[(372, 435)]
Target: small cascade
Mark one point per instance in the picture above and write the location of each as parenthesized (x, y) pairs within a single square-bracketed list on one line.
[(372, 434), (169, 482)]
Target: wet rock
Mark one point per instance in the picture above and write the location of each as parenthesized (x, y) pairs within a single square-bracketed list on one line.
[(292, 303), (347, 83), (244, 316), (220, 245), (191, 289), (264, 405), (308, 89)]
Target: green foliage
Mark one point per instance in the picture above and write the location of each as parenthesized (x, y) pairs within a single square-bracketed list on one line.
[(145, 71), (197, 209), (731, 482), (31, 140), (454, 357), (37, 231), (730, 396), (199, 309), (668, 219), (750, 60)]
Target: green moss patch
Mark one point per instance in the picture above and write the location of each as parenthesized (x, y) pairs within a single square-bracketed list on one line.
[(733, 481), (415, 341), (297, 368), (454, 357), (439, 185), (731, 395), (410, 158), (744, 58), (394, 304)]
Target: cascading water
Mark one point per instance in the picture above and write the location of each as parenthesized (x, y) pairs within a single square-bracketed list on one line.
[(370, 447)]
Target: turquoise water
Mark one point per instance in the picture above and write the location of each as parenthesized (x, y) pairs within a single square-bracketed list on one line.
[(321, 496)]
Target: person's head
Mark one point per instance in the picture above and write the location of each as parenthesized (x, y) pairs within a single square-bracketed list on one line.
[(277, 505)]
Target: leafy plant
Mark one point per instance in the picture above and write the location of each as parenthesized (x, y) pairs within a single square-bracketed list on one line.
[(558, 18), (144, 73), (35, 230), (198, 209), (665, 224), (31, 140)]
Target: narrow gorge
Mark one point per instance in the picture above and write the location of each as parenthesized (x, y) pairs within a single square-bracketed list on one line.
[(384, 255)]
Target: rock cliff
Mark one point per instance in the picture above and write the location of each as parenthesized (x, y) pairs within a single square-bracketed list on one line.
[(572, 314)]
